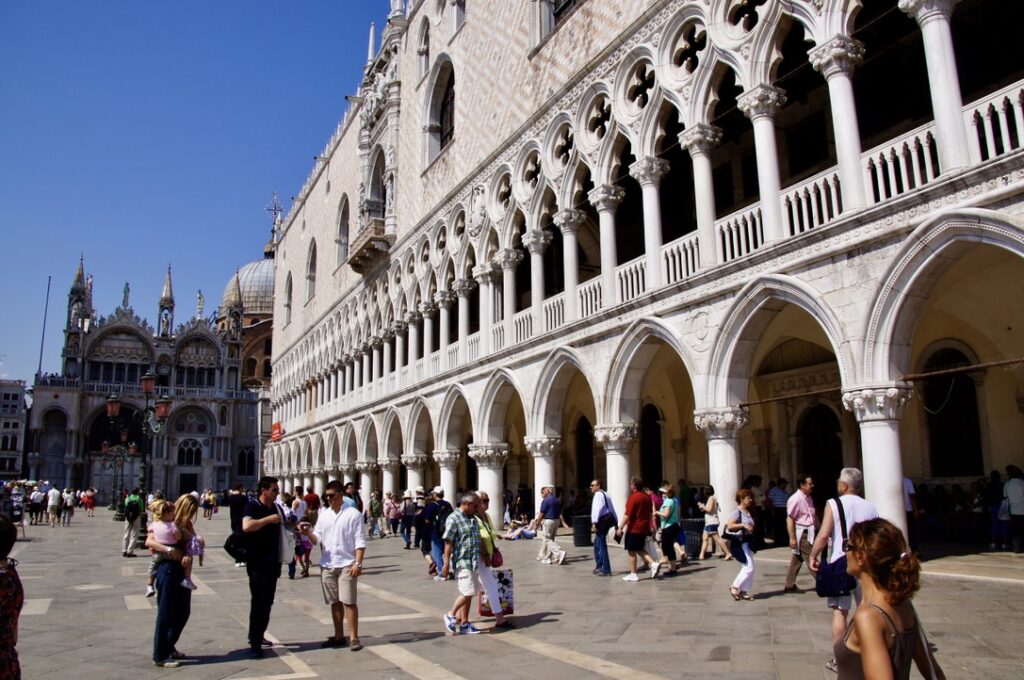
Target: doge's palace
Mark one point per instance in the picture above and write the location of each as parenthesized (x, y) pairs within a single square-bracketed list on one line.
[(553, 240)]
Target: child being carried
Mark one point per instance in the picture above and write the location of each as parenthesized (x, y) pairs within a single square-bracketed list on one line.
[(168, 533)]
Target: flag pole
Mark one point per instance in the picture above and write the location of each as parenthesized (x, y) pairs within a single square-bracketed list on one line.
[(42, 338)]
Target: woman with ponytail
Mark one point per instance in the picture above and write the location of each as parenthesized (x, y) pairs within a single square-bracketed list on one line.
[(885, 636)]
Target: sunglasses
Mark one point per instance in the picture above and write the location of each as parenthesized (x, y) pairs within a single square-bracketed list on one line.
[(329, 496)]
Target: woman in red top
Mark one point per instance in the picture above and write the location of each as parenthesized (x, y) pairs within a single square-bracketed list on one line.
[(638, 525)]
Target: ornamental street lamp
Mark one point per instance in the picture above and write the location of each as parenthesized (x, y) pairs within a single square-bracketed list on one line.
[(152, 419)]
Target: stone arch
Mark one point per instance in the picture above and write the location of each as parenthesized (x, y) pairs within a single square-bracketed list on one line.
[(442, 70), (629, 365), (319, 454), (349, 448), (498, 393), (450, 424), (419, 429), (925, 255), (552, 385), (368, 440), (752, 310), (391, 444), (333, 446)]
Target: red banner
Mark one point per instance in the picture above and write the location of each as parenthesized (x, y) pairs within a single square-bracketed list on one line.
[(276, 432)]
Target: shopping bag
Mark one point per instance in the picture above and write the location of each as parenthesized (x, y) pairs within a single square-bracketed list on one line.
[(505, 594)]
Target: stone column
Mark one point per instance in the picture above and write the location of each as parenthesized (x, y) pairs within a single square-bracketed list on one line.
[(760, 104), (508, 259), (542, 449), (617, 441), (878, 410), (483, 273), (606, 200), (943, 80), (490, 459), (388, 338), (836, 60), (348, 473), (536, 241), (319, 481), (699, 140), (414, 469), (375, 344), (721, 427), (389, 466), (367, 375), (569, 222), (307, 479), (428, 310), (648, 172), (413, 319), (444, 300), (448, 460), (349, 373), (366, 469), (462, 288), (400, 328)]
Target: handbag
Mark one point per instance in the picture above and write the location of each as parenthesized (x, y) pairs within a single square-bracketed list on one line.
[(505, 594), (286, 543), (236, 546), (833, 581), (607, 520), (496, 558)]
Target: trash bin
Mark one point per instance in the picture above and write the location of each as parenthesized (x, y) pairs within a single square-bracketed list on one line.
[(581, 531), (694, 530)]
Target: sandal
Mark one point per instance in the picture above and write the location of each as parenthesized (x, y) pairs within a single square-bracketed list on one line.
[(735, 594), (746, 596)]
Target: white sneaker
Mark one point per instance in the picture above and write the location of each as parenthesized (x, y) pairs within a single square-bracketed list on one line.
[(150, 591), (187, 583), (655, 568), (632, 578), (546, 560), (561, 557)]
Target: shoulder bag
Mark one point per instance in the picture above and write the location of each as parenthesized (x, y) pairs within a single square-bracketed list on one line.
[(606, 521), (833, 581)]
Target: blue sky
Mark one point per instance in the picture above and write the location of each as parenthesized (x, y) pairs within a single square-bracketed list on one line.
[(143, 132)]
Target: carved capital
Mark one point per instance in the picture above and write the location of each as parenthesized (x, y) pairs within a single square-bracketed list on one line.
[(536, 241), (414, 461), (542, 447), (375, 341), (367, 467), (388, 335), (648, 171), (721, 423), (617, 438), (700, 138), (927, 10), (428, 308), (762, 101), (483, 273), (413, 317), (884, 402), (508, 258), (347, 470), (569, 220), (447, 458), (489, 455), (444, 298), (399, 327), (606, 197), (389, 465), (346, 358), (839, 55), (463, 287)]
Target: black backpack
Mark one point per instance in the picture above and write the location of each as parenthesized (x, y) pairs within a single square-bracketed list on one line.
[(441, 518)]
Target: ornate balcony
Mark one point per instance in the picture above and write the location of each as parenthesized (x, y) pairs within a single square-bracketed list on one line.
[(370, 245)]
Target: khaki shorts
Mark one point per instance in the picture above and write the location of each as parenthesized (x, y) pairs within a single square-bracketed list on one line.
[(338, 585), (468, 581)]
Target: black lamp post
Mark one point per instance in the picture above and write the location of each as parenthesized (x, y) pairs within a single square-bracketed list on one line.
[(152, 419)]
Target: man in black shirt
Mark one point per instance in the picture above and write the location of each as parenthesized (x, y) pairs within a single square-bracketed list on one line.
[(261, 519)]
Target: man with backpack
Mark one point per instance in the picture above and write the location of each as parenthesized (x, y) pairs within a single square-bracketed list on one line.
[(132, 513), (434, 518)]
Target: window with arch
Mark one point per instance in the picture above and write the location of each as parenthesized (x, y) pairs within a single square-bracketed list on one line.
[(311, 272), (246, 461), (342, 239), (423, 48), (288, 300), (950, 403), (441, 110), (190, 453), (446, 111)]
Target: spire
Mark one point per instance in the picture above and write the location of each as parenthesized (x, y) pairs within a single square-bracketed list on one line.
[(233, 298), (371, 51), (78, 285), (167, 297)]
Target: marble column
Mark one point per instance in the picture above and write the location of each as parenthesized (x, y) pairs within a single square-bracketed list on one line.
[(376, 342), (348, 473), (617, 441), (943, 79), (444, 300), (388, 337), (543, 449), (721, 427), (569, 222), (606, 200), (319, 481), (536, 241), (448, 461), (483, 273), (428, 310), (462, 288), (878, 410), (413, 319), (836, 60), (414, 469), (400, 328), (508, 259), (490, 460), (366, 469), (760, 104), (699, 140), (648, 172), (389, 468)]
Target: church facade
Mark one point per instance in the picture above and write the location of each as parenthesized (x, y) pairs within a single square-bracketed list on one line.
[(214, 368), (701, 239)]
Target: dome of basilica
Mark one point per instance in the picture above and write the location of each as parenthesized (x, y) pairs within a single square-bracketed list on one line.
[(256, 280)]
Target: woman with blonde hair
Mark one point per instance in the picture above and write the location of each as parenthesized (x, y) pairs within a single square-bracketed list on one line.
[(174, 603), (185, 513), (885, 636)]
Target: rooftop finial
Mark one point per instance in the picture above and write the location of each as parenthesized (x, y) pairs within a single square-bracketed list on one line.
[(371, 51), (167, 297)]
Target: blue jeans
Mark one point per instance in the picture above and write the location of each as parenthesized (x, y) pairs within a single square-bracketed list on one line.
[(604, 564), (437, 552), (173, 607), (407, 530)]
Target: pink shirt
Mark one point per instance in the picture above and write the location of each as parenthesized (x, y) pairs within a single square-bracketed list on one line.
[(166, 533), (801, 508)]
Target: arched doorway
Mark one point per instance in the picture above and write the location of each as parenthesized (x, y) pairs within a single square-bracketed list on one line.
[(950, 403), (650, 445), (821, 451), (584, 453)]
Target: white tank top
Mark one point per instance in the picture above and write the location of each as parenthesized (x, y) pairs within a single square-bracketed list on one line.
[(857, 510)]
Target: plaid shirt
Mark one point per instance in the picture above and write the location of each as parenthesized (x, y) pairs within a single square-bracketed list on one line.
[(464, 535)]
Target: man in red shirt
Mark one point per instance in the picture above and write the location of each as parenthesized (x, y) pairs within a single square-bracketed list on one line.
[(638, 525), (312, 505)]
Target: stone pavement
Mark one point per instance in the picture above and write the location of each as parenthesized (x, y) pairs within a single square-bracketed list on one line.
[(86, 612)]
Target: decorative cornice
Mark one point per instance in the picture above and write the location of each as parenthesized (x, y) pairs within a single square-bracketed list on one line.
[(569, 220), (617, 438), (543, 446), (648, 171), (606, 197), (536, 241), (877, 403), (447, 458), (762, 101), (491, 455), (841, 54), (700, 138), (721, 423)]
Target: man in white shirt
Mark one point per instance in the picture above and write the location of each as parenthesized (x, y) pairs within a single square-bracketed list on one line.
[(339, 531), (602, 518), (1013, 491), (54, 499)]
